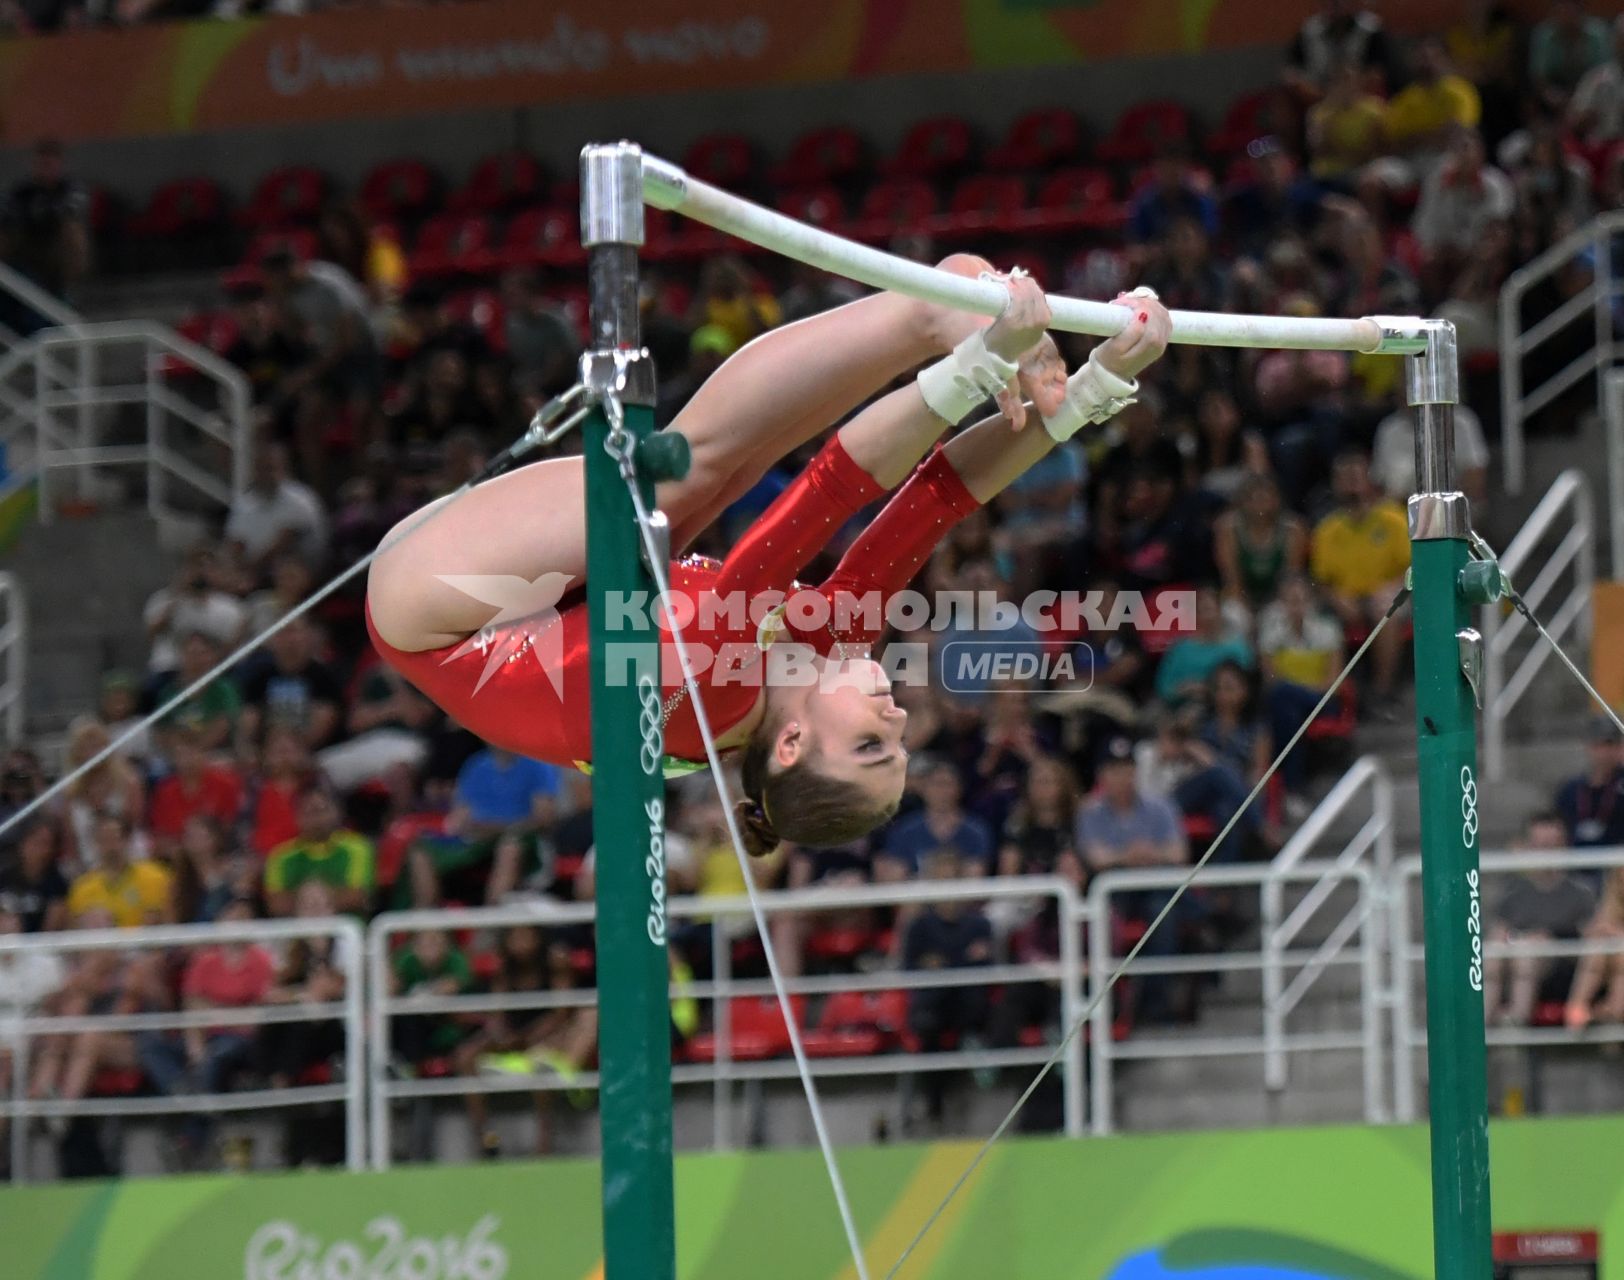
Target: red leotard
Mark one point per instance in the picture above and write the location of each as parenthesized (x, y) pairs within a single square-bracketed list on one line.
[(533, 696)]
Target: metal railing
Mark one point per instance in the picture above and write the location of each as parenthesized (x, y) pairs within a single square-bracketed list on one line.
[(1517, 403), (1310, 965), (1504, 684), (1363, 925), (24, 1028), (56, 386), (43, 303), (13, 658), (726, 1070), (1366, 779), (1408, 952), (17, 355)]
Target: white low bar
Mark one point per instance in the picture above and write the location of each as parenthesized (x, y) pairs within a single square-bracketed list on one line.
[(666, 186)]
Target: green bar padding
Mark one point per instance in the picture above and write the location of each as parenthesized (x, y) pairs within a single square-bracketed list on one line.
[(628, 792), (1453, 904)]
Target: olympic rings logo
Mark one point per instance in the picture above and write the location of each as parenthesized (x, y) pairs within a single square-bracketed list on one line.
[(1468, 806), (648, 720)]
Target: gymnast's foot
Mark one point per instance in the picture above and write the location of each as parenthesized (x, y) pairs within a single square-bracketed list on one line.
[(945, 327)]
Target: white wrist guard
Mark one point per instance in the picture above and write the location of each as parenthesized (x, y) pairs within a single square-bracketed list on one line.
[(1093, 394), (968, 377)]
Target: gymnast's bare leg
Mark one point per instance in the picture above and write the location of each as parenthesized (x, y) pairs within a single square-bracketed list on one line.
[(773, 395)]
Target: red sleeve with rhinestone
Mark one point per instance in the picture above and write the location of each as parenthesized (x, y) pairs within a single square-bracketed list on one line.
[(800, 523), (891, 551)]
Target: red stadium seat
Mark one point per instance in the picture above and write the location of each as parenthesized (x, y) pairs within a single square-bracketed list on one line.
[(189, 206), (1249, 117), (821, 206), (117, 1082), (482, 309), (667, 237), (399, 189), (1039, 140), (216, 330), (453, 244), (1075, 200), (835, 154), (286, 197), (1199, 829), (1143, 131), (301, 241), (983, 204), (839, 944), (1341, 718), (894, 207), (543, 237), (507, 180), (1549, 1013), (939, 147), (853, 1024), (398, 837), (725, 159), (756, 1030)]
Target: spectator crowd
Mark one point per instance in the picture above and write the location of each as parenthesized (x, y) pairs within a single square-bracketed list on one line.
[(1385, 176)]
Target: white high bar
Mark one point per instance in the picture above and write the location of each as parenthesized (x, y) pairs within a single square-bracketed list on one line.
[(667, 186)]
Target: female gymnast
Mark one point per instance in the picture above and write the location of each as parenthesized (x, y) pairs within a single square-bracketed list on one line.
[(822, 760)]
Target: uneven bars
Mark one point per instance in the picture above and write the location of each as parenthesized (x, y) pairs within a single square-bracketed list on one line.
[(666, 186)]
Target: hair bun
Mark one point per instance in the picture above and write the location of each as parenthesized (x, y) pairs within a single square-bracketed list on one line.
[(759, 837)]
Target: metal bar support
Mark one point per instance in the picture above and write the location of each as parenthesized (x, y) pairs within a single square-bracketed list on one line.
[(1448, 656)]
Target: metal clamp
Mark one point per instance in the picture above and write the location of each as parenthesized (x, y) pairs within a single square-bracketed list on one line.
[(550, 423), (1435, 516), (1469, 644), (605, 372), (659, 528)]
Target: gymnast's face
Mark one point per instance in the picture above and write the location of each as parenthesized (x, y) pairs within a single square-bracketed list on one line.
[(853, 725)]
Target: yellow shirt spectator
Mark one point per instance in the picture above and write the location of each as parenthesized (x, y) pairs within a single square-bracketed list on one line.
[(1357, 553), (1346, 135), (342, 861), (1424, 109), (745, 316), (136, 895), (720, 875), (386, 266)]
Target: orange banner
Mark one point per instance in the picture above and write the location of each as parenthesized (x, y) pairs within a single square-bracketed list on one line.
[(210, 75)]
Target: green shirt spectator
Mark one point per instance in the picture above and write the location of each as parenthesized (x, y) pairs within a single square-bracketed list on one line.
[(1563, 47), (322, 851), (213, 710), (431, 966)]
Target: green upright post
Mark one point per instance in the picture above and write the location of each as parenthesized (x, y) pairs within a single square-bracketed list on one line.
[(1448, 661), (634, 1036)]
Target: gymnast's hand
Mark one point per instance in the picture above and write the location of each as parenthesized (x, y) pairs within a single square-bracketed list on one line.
[(1018, 334), (1141, 344), (1042, 380)]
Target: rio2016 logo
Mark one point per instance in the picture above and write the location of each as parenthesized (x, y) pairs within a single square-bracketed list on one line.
[(281, 1251), (1474, 901), (654, 866)]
